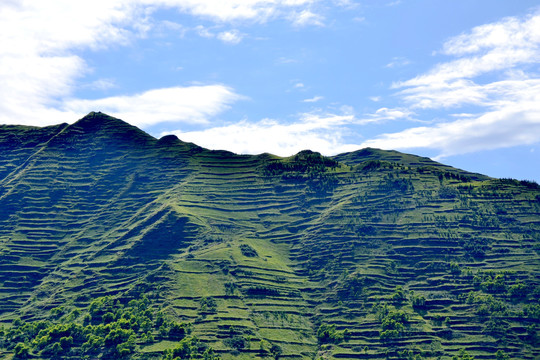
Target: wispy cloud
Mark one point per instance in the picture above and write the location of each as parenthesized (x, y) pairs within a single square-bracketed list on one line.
[(313, 99), (40, 68), (490, 48), (394, 3), (492, 130), (102, 84), (231, 36), (284, 60), (236, 10), (488, 71), (203, 31), (324, 132), (193, 104), (306, 17), (384, 114), (398, 62)]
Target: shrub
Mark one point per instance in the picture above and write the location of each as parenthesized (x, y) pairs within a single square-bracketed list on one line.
[(208, 305), (237, 342), (327, 334), (21, 351), (518, 291), (261, 291), (399, 295), (178, 331), (463, 355), (393, 324), (276, 351), (418, 302), (248, 251)]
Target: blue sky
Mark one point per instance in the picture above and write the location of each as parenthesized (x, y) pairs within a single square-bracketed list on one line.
[(458, 81)]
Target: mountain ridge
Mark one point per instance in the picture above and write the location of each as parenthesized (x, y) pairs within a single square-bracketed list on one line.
[(360, 255), (98, 122)]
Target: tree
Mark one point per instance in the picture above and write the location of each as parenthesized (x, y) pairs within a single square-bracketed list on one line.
[(463, 355), (276, 351), (178, 331), (328, 334), (21, 351)]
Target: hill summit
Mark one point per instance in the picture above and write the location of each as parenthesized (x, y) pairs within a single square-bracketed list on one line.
[(115, 244)]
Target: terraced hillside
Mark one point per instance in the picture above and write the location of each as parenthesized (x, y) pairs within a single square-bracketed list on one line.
[(367, 255)]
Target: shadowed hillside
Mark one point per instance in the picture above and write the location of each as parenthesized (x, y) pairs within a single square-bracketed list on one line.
[(115, 244)]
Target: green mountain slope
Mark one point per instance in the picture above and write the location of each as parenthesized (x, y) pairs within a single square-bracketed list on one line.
[(366, 255)]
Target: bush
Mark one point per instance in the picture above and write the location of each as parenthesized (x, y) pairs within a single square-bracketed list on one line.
[(248, 251), (327, 334), (117, 336), (418, 302), (399, 295), (208, 305), (190, 348), (351, 288), (178, 331), (276, 351), (393, 324), (463, 355), (518, 291), (21, 351), (261, 291), (237, 342)]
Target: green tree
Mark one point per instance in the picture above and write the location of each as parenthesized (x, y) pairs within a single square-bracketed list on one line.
[(21, 351), (276, 351), (463, 355), (327, 334), (501, 355)]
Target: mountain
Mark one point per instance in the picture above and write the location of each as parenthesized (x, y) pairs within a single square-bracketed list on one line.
[(115, 244)]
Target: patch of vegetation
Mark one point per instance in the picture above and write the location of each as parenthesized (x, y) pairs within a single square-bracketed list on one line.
[(106, 328), (190, 348), (261, 291), (248, 251), (327, 334), (208, 305), (396, 248)]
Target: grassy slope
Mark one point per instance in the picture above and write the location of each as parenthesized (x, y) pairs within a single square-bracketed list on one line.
[(98, 207)]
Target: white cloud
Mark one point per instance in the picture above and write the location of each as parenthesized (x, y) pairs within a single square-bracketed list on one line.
[(398, 62), (231, 36), (37, 68), (102, 84), (39, 63), (204, 32), (385, 114), (486, 49), (493, 130), (193, 104), (313, 99), (488, 72), (284, 60), (510, 33), (235, 10), (325, 133), (306, 17)]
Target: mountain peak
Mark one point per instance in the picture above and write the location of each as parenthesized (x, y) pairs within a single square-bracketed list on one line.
[(96, 120), (103, 125)]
